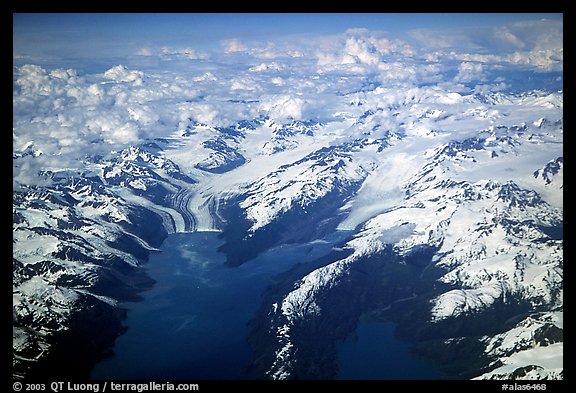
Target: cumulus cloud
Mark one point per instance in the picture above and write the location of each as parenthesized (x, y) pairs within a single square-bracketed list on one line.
[(273, 66), (35, 81), (188, 53), (364, 53), (168, 53), (539, 34), (355, 50), (207, 76), (66, 117), (294, 53), (543, 59), (503, 37), (468, 72), (268, 51), (244, 84), (206, 114), (360, 51), (283, 107), (398, 72), (233, 45), (120, 73), (536, 45), (277, 81), (261, 50), (144, 52)]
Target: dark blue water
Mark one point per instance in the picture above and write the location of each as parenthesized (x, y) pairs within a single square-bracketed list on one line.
[(192, 323), (372, 352)]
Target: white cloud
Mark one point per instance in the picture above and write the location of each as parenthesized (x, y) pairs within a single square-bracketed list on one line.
[(144, 52), (507, 38), (277, 81), (244, 84), (35, 81), (536, 44), (220, 114), (126, 133), (397, 72), (484, 89), (169, 53), (207, 76), (539, 60), (361, 51), (358, 50), (273, 66), (545, 60), (233, 45), (295, 53), (144, 115), (188, 53), (120, 73), (68, 115), (266, 52), (260, 50), (540, 34), (283, 107), (468, 72)]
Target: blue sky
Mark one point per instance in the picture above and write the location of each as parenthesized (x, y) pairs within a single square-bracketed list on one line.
[(81, 36), (231, 24)]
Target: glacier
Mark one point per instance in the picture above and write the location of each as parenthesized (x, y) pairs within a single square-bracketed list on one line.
[(459, 193)]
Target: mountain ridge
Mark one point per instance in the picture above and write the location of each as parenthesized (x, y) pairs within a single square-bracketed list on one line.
[(442, 186)]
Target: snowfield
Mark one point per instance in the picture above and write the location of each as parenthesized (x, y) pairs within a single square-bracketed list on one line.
[(489, 234)]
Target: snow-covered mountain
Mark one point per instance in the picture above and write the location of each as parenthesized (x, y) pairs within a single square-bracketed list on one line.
[(454, 203), (494, 244), (78, 247)]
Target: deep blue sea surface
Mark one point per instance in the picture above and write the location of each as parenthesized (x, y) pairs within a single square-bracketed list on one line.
[(372, 352), (192, 324)]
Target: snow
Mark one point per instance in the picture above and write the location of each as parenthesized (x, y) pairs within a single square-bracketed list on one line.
[(548, 361), (33, 248), (282, 363), (105, 299), (382, 189), (462, 301), (454, 203), (538, 123), (300, 303), (51, 298), (557, 318), (138, 184)]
